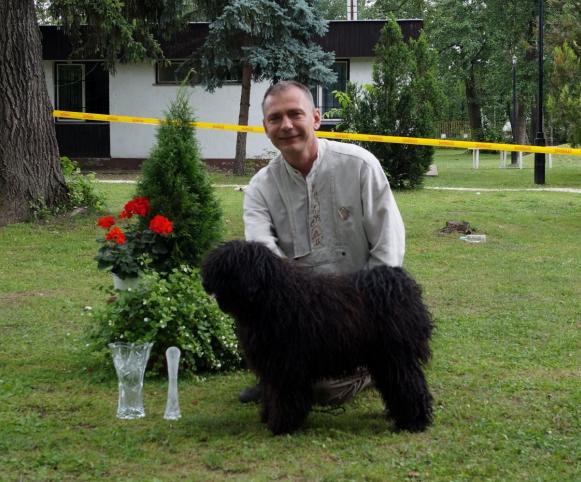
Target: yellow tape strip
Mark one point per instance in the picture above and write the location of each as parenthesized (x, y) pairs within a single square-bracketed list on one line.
[(333, 135)]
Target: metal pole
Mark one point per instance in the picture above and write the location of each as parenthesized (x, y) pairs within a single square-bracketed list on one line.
[(513, 121), (540, 139)]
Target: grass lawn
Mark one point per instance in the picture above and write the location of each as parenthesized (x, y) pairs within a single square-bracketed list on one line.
[(505, 374)]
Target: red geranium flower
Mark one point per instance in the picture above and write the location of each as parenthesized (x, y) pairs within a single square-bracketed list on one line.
[(106, 222), (161, 225), (116, 235), (129, 247), (139, 206)]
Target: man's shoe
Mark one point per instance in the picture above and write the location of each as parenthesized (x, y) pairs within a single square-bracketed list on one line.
[(251, 394)]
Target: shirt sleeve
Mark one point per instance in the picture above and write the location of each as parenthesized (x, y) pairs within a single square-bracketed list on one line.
[(258, 225), (382, 220)]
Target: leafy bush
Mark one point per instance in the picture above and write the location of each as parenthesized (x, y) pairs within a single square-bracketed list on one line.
[(82, 193), (177, 185), (172, 311), (82, 187), (403, 100)]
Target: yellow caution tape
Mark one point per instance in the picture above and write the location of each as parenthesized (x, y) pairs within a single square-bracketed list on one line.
[(333, 135)]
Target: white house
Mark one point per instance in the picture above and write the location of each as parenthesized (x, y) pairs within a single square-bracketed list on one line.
[(147, 89)]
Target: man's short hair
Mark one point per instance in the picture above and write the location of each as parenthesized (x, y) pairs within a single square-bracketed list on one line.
[(283, 85)]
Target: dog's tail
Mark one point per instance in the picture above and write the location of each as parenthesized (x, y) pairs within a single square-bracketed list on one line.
[(394, 300)]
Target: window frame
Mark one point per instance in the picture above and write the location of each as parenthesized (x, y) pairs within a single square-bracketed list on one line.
[(319, 91), (57, 97), (160, 63)]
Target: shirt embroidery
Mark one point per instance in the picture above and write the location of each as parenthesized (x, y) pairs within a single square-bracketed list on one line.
[(315, 223)]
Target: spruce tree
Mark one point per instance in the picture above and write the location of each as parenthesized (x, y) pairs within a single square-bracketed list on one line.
[(263, 40), (177, 185)]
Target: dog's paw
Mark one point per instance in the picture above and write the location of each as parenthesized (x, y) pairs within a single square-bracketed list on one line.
[(415, 425)]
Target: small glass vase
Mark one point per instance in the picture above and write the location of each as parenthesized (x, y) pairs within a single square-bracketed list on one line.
[(172, 406), (130, 360)]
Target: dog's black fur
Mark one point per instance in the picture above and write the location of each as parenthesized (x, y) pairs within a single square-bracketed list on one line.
[(296, 327)]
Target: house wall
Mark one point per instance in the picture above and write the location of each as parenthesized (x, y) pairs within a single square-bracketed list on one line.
[(360, 70), (132, 91)]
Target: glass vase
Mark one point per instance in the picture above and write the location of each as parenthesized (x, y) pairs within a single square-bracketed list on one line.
[(130, 360), (172, 406)]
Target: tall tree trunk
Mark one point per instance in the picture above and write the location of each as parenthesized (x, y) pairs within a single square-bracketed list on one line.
[(240, 159), (474, 108), (30, 170)]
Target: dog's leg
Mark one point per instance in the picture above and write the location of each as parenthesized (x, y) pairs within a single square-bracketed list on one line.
[(284, 409), (406, 395)]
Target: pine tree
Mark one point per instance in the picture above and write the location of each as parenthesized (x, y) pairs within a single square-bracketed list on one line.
[(178, 187)]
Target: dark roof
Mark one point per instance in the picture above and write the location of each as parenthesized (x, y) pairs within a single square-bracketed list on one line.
[(345, 38)]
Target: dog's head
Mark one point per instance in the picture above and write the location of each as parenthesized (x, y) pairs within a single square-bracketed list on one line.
[(237, 272)]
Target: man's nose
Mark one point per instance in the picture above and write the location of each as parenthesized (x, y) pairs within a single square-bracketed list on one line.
[(286, 123)]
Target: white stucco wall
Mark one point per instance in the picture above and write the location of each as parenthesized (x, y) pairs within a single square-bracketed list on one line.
[(47, 66), (360, 70), (132, 91)]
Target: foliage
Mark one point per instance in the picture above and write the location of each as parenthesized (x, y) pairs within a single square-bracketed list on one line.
[(564, 103), (404, 100), (397, 8), (119, 31), (82, 187), (177, 186), (82, 192), (172, 311), (564, 99), (276, 39), (337, 9), (130, 245), (477, 40)]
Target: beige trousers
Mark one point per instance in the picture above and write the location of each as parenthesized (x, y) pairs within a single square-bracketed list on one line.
[(339, 391)]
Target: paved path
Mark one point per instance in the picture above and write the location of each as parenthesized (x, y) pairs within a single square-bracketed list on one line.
[(486, 189), (574, 190)]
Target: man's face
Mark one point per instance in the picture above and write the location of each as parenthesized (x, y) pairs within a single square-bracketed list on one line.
[(290, 121)]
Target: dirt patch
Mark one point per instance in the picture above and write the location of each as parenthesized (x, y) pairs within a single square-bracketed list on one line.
[(462, 227)]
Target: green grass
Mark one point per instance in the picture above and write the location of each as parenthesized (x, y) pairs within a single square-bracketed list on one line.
[(455, 169), (505, 373)]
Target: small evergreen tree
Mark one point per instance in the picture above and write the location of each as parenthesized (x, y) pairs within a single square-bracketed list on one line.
[(404, 100), (177, 185)]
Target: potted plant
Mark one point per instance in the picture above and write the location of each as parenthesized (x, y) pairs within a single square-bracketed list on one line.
[(132, 241)]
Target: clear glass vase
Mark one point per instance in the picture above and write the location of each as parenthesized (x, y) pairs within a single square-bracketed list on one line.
[(130, 360), (172, 406)]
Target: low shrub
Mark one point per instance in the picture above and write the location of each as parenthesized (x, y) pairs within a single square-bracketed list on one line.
[(169, 311), (82, 188)]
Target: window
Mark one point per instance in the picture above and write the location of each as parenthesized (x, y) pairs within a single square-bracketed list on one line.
[(172, 73), (70, 87), (323, 96)]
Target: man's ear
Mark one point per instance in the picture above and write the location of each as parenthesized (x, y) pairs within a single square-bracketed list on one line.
[(317, 116), (265, 129)]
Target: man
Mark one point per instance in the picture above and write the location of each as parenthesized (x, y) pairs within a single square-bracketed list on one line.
[(324, 205)]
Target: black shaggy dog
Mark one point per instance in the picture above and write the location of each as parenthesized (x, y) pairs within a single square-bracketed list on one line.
[(296, 327)]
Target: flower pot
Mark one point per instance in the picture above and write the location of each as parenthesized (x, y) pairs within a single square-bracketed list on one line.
[(130, 360), (123, 284)]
